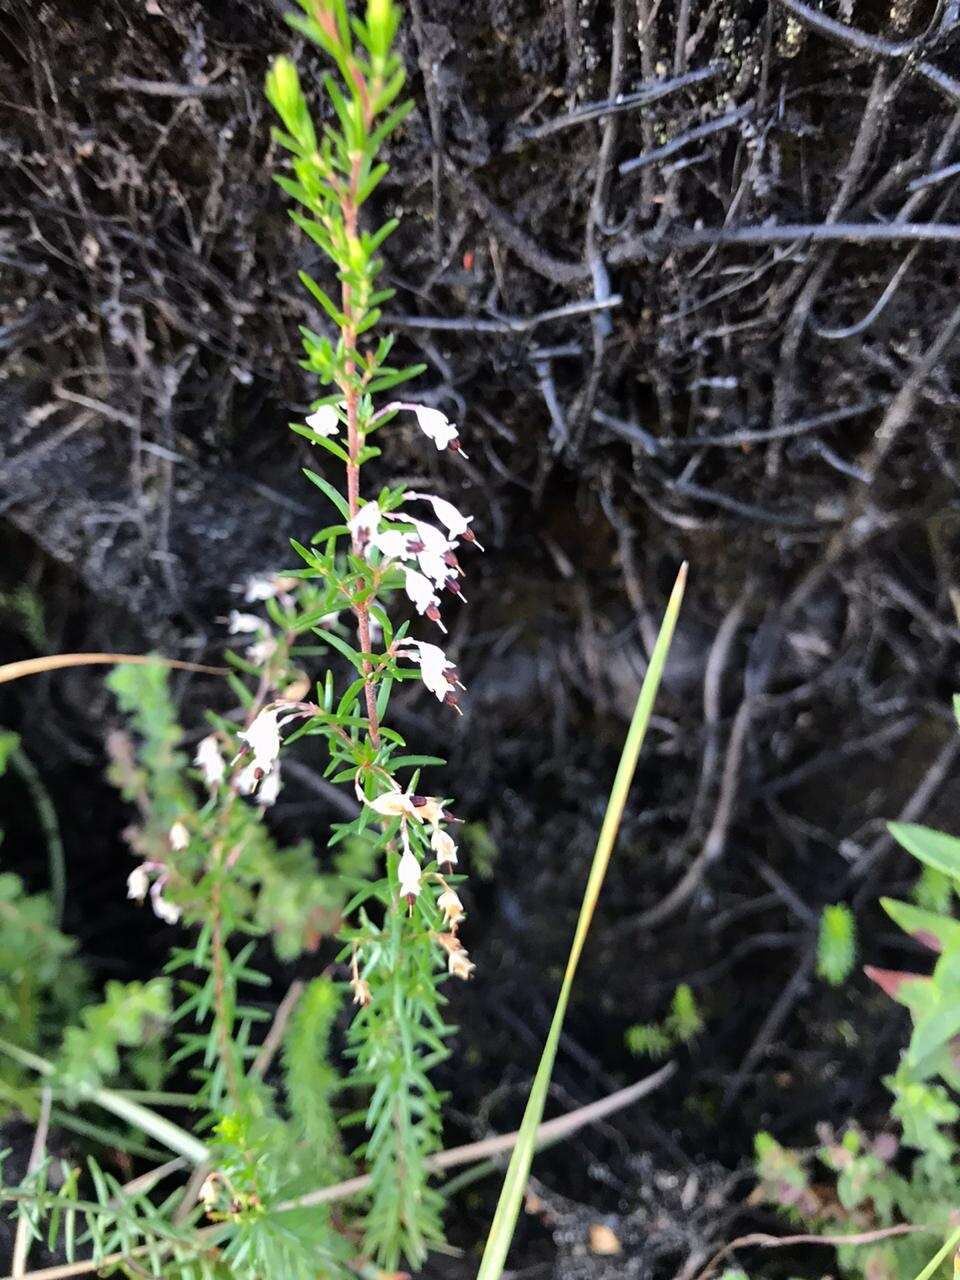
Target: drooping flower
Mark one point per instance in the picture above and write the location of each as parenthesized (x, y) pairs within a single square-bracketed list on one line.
[(437, 672), (270, 787), (391, 544), (451, 906), (163, 909), (460, 965), (240, 624), (436, 426), (428, 809), (361, 991), (365, 524), (209, 761), (248, 779), (179, 836), (458, 959), (325, 421), (393, 804), (422, 595), (456, 524), (263, 739), (409, 874), (265, 586), (444, 847), (262, 651), (138, 882), (434, 567)]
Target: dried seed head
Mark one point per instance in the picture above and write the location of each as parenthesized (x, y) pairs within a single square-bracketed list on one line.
[(445, 849), (460, 965), (361, 991), (451, 906)]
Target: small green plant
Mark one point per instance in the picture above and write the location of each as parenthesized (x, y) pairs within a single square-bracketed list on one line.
[(836, 944), (874, 1184), (681, 1025)]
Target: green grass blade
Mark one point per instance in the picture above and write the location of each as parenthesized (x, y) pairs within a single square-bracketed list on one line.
[(515, 1180), (933, 1265), (150, 1122)]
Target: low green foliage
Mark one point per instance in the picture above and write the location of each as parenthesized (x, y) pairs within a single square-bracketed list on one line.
[(874, 1182), (680, 1026), (836, 944)]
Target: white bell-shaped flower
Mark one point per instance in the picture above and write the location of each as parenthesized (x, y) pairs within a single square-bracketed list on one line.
[(163, 909), (436, 426), (434, 667), (444, 847), (240, 624), (453, 520), (325, 421), (269, 788), (138, 882), (263, 739), (392, 804), (209, 761), (420, 591), (365, 524), (179, 837), (391, 544), (409, 873)]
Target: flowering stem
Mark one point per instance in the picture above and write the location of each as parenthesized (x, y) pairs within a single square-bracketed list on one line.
[(354, 442)]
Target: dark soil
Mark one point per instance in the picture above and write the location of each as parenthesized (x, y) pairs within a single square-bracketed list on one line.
[(783, 413)]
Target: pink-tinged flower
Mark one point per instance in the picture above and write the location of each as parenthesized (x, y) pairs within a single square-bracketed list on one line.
[(210, 762), (325, 421), (437, 672), (409, 874), (179, 837), (456, 524), (444, 847), (420, 591), (163, 909), (138, 882), (365, 524), (240, 624), (263, 739)]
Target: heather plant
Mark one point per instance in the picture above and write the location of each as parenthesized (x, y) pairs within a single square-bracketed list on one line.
[(276, 1105), (205, 860)]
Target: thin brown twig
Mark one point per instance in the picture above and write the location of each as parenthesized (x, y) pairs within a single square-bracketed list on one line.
[(762, 1240), (549, 1132)]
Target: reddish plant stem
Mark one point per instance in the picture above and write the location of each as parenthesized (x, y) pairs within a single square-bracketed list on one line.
[(354, 444)]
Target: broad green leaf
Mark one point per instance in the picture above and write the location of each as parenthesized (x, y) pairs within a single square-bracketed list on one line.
[(934, 848), (915, 920)]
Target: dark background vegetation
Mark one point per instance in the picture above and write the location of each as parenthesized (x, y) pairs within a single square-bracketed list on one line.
[(781, 411)]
